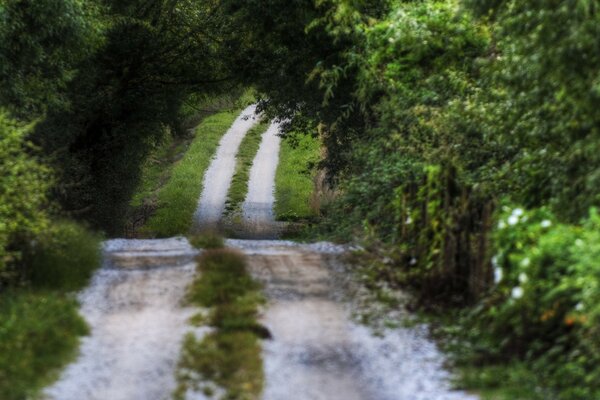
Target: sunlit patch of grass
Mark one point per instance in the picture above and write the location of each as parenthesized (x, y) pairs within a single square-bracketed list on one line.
[(230, 356), (245, 157), (39, 334), (178, 198), (294, 184)]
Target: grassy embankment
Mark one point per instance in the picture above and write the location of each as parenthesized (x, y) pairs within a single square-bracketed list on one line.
[(227, 360), (178, 197), (39, 324), (245, 157)]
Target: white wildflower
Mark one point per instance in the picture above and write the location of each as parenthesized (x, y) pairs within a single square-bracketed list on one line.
[(518, 212), (523, 277), (517, 292), (513, 219), (546, 223), (525, 262), (579, 307), (413, 261), (498, 275)]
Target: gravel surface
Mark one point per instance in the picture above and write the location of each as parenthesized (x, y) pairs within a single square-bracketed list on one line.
[(257, 210), (217, 178), (133, 307)]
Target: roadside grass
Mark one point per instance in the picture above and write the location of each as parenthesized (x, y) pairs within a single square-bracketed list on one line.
[(228, 360), (178, 198), (40, 325), (63, 258), (499, 382), (39, 334), (170, 149), (294, 184), (245, 157)]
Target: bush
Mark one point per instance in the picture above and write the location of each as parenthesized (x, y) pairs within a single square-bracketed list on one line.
[(23, 186), (544, 308), (63, 257), (38, 334)]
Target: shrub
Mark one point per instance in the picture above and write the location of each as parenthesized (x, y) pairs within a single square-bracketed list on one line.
[(38, 334), (544, 307), (23, 185), (63, 257)]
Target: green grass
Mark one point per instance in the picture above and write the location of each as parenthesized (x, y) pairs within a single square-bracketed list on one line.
[(207, 240), (229, 358), (294, 185), (245, 157), (39, 323), (499, 382), (178, 198), (39, 334)]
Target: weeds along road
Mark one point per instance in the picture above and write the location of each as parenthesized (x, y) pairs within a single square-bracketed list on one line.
[(317, 350)]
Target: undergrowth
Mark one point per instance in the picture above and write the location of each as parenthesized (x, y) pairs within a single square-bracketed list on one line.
[(226, 362), (39, 334)]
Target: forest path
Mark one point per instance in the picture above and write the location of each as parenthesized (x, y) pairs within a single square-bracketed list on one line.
[(257, 210), (317, 351), (217, 178)]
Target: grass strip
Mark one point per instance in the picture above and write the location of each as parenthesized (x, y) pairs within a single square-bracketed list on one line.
[(227, 362), (39, 334), (294, 185), (245, 158), (178, 198)]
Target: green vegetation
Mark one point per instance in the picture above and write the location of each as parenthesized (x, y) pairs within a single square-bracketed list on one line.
[(244, 159), (40, 326), (178, 198), (63, 257), (39, 333), (433, 114), (506, 382), (207, 240), (229, 357), (23, 187), (294, 184)]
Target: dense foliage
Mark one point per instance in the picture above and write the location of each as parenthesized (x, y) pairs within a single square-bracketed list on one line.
[(435, 112), (23, 184), (432, 114)]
